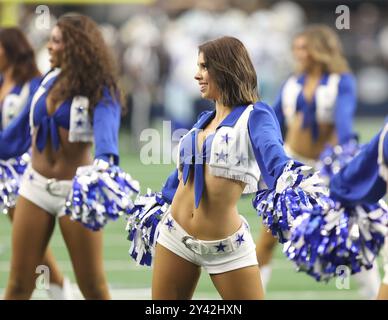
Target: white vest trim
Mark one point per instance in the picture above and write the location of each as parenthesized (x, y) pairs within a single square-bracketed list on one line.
[(325, 98), (80, 129), (234, 160), (13, 104)]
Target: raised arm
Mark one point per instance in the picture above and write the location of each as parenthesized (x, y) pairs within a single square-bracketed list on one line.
[(264, 131), (359, 181), (345, 108), (292, 187), (106, 125), (102, 191)]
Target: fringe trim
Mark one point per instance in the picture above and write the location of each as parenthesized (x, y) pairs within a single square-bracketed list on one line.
[(80, 137), (252, 182)]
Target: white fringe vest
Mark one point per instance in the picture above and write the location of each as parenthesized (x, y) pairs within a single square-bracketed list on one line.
[(78, 112), (325, 97), (234, 159), (13, 104)]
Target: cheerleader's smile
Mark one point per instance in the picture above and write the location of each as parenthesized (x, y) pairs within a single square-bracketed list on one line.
[(55, 47)]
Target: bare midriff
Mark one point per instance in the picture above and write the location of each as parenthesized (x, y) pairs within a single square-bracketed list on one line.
[(61, 164), (301, 142), (217, 216)]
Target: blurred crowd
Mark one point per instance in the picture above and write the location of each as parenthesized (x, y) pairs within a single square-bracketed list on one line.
[(156, 49)]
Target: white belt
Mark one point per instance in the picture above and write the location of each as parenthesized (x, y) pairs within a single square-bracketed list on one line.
[(59, 188), (221, 246), (209, 247)]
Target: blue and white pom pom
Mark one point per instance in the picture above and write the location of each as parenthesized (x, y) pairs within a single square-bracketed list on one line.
[(143, 226), (100, 192), (11, 172), (297, 189), (325, 242), (334, 158)]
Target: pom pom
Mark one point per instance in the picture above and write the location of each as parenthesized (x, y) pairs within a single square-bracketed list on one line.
[(324, 241), (100, 192), (143, 226), (11, 172), (297, 189), (334, 158)]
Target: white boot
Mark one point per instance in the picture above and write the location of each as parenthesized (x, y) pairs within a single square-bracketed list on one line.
[(56, 292), (369, 282), (266, 271)]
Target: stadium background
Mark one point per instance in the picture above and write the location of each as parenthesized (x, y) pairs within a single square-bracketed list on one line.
[(155, 45)]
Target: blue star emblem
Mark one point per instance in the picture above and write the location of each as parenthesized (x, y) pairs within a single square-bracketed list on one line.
[(221, 247), (241, 160), (240, 239), (225, 138), (79, 123), (221, 156), (80, 109), (169, 224)]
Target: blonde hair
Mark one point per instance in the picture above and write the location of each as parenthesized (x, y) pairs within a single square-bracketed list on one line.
[(325, 48)]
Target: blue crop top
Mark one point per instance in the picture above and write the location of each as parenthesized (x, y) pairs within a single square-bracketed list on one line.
[(17, 90), (48, 124), (344, 107), (194, 159), (16, 138), (264, 133)]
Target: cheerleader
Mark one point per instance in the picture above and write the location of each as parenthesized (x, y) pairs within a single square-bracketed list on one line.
[(315, 107), (221, 157), (19, 77), (75, 104)]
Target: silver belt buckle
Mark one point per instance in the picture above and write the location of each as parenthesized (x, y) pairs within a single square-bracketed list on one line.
[(193, 246), (53, 189)]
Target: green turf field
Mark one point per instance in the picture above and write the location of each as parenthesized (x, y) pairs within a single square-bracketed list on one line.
[(129, 281)]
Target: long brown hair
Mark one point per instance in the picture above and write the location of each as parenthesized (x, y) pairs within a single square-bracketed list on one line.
[(229, 64), (325, 48), (87, 66), (19, 54)]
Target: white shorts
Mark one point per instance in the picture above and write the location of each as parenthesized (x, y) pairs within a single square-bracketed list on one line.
[(48, 194), (292, 154), (217, 256)]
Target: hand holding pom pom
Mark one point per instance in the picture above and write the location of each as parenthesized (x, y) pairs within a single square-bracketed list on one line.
[(100, 192), (324, 239), (11, 172), (143, 224), (297, 189)]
